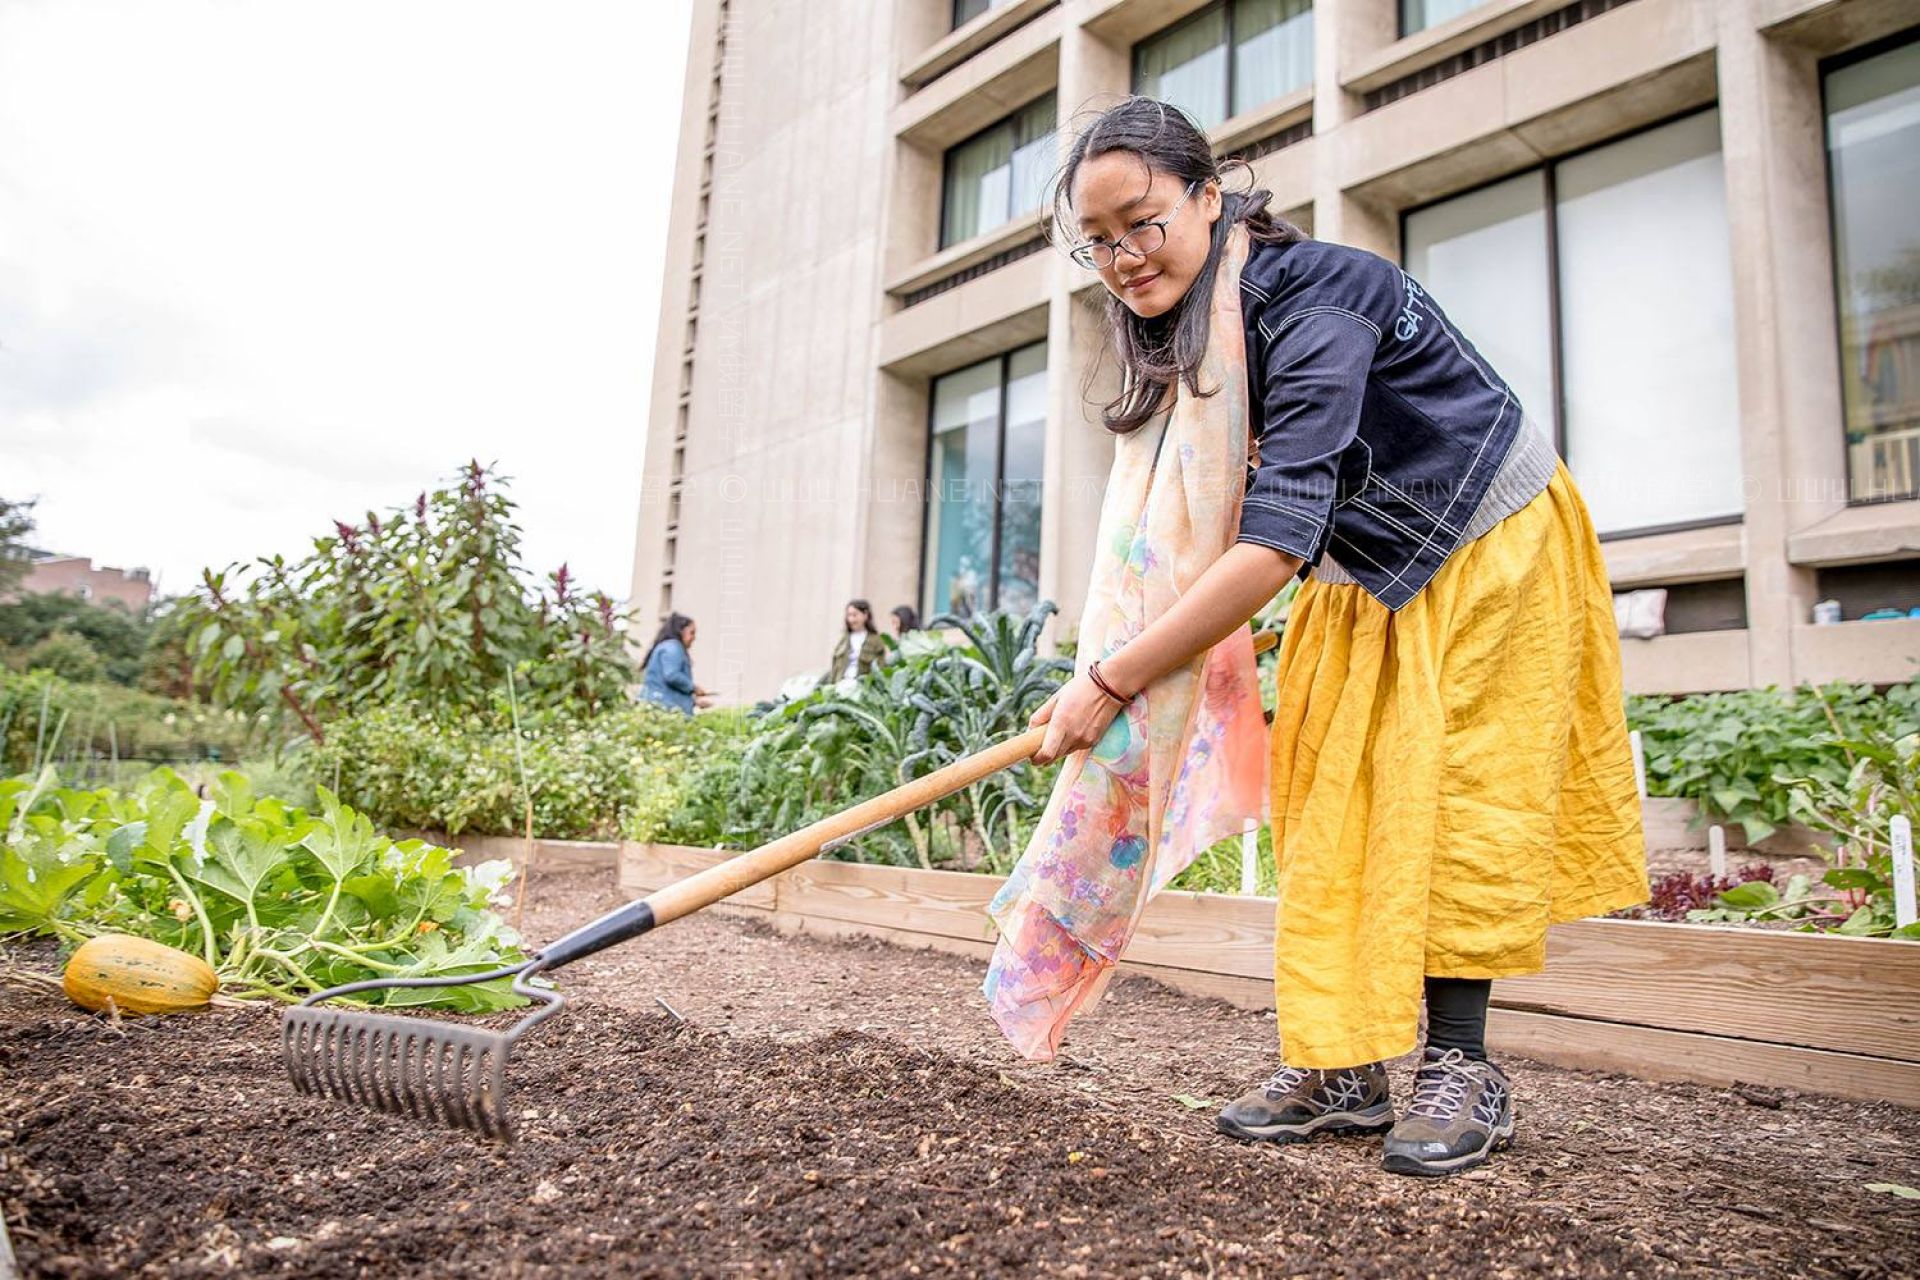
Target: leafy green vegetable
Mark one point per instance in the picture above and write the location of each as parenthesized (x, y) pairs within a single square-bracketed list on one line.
[(1742, 755), (280, 901)]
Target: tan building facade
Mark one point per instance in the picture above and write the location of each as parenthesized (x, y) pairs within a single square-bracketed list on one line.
[(49, 573), (1682, 229)]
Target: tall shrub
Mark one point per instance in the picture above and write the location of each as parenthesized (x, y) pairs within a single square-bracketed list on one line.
[(428, 607)]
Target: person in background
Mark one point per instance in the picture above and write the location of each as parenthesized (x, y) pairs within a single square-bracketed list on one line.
[(667, 672), (905, 618), (860, 648)]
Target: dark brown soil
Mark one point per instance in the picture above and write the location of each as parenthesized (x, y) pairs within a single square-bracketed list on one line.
[(847, 1109)]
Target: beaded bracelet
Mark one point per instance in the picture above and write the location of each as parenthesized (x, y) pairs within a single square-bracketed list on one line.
[(1100, 683)]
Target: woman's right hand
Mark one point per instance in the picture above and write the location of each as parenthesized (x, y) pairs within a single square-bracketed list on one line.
[(1076, 716)]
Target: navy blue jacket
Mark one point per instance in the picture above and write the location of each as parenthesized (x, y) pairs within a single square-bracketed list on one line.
[(1379, 426)]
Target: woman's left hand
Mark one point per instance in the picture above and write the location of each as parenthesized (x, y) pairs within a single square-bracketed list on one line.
[(1076, 716)]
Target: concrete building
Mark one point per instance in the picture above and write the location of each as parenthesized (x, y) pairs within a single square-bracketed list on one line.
[(50, 573), (1682, 228)]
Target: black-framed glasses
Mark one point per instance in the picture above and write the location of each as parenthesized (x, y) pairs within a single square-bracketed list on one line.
[(1098, 255)]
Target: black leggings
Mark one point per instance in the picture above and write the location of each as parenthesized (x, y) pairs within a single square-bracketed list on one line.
[(1457, 1015)]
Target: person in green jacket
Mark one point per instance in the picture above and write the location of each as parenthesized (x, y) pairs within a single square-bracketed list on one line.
[(861, 647)]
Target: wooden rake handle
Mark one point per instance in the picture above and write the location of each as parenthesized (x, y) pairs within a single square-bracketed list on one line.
[(704, 888)]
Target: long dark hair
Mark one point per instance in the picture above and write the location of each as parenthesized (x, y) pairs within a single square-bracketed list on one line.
[(864, 608), (670, 629), (907, 616), (1154, 352)]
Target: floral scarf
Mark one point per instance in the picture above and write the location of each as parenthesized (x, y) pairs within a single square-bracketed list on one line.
[(1184, 764)]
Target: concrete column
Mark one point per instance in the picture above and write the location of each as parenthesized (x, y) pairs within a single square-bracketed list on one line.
[(1093, 74), (1343, 31), (1772, 135)]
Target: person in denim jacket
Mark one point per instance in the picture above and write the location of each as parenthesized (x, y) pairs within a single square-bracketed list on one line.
[(667, 671), (1450, 770)]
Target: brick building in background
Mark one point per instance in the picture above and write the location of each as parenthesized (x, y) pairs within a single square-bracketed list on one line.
[(1683, 229), (49, 573)]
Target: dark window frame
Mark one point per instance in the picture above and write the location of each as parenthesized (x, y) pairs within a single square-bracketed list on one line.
[(946, 165), (957, 21), (1198, 15), (1005, 359), (1550, 185), (1227, 6), (1825, 69), (1400, 19)]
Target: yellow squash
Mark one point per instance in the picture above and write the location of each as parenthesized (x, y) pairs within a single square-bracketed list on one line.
[(135, 975)]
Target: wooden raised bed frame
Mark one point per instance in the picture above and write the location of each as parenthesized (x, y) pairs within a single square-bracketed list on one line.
[(1825, 1014)]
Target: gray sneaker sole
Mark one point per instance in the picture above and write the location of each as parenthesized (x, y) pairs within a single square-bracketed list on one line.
[(1499, 1140), (1373, 1120)]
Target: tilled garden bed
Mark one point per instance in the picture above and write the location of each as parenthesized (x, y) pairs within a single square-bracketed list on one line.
[(847, 1109)]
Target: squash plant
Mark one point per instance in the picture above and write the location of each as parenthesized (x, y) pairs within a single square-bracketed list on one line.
[(280, 902), (1855, 895), (1742, 755)]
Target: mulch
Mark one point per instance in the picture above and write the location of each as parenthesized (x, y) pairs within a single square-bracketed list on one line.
[(723, 1100)]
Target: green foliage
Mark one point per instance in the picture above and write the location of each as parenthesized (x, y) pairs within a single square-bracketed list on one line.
[(1741, 755), (1217, 870), (409, 770), (426, 609), (280, 901), (85, 727), (114, 636), (16, 522), (67, 655), (847, 742), (167, 660)]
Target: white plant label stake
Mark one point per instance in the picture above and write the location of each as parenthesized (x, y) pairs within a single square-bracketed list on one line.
[(1639, 763), (1903, 905), (1250, 859), (1717, 851)]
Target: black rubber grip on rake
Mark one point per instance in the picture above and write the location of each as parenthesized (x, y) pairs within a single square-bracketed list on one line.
[(614, 927)]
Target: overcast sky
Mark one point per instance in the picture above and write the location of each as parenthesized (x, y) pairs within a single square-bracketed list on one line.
[(264, 265)]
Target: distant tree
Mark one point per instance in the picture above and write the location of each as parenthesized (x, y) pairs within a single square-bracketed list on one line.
[(166, 664), (67, 655), (117, 635), (16, 522)]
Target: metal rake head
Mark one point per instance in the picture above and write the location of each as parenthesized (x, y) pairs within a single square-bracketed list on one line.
[(417, 1067)]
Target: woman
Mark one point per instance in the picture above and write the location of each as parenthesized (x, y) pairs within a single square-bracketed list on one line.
[(860, 647), (1449, 766), (667, 672), (905, 618)]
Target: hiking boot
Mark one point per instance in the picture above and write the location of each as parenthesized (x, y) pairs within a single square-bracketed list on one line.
[(1462, 1112), (1296, 1104)]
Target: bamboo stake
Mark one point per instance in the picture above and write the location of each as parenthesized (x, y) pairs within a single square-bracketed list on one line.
[(526, 797)]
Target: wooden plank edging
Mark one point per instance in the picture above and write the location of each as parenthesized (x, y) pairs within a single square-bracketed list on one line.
[(547, 854), (1667, 1001)]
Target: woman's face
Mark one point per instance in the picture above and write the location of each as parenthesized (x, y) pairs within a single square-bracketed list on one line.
[(856, 620), (686, 635), (1116, 193)]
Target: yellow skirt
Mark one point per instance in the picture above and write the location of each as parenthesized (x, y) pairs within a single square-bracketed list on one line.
[(1447, 780)]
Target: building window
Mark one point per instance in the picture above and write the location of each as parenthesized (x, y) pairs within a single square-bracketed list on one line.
[(965, 11), (1418, 15), (1873, 163), (984, 470), (998, 173), (1601, 288), (1228, 58)]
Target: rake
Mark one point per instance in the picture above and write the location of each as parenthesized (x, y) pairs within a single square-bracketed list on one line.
[(457, 1075)]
